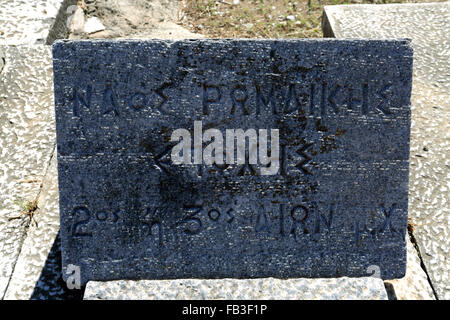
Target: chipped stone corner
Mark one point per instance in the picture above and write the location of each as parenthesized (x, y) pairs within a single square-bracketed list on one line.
[(327, 24)]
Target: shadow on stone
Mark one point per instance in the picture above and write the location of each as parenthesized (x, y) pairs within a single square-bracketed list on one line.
[(50, 285), (390, 291)]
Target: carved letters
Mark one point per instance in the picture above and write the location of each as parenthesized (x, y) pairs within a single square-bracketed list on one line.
[(316, 99)]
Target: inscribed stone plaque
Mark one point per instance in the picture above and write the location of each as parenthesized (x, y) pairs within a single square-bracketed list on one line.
[(332, 117)]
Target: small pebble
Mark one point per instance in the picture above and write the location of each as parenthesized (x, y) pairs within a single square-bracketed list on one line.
[(291, 18), (93, 25)]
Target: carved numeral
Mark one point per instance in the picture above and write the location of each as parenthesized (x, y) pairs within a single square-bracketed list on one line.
[(79, 227), (194, 224), (152, 221)]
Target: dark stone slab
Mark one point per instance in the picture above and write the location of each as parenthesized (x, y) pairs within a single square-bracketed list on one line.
[(336, 206)]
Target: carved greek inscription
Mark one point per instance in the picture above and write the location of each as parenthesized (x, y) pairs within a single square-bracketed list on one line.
[(82, 218), (80, 100), (192, 221), (153, 225), (325, 220), (163, 161), (262, 222), (296, 221), (229, 215), (160, 92), (311, 98), (247, 168), (384, 94), (388, 213), (299, 214), (319, 98), (377, 226), (356, 99), (264, 102), (138, 101), (306, 158), (332, 97), (281, 213), (211, 94), (283, 159), (109, 103), (292, 99), (214, 214), (239, 96)]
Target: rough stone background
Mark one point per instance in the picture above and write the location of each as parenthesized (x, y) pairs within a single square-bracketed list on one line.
[(427, 25)]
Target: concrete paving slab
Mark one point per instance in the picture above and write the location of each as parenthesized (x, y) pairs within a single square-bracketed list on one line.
[(27, 140), (33, 22), (231, 289), (414, 285), (38, 242), (3, 284), (50, 285), (427, 25)]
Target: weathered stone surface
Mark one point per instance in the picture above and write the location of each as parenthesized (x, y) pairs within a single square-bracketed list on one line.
[(414, 285), (27, 139), (33, 22), (233, 289), (3, 284), (427, 25), (337, 204), (38, 242)]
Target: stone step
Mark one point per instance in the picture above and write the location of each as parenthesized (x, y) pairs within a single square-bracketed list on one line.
[(27, 141), (367, 288)]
